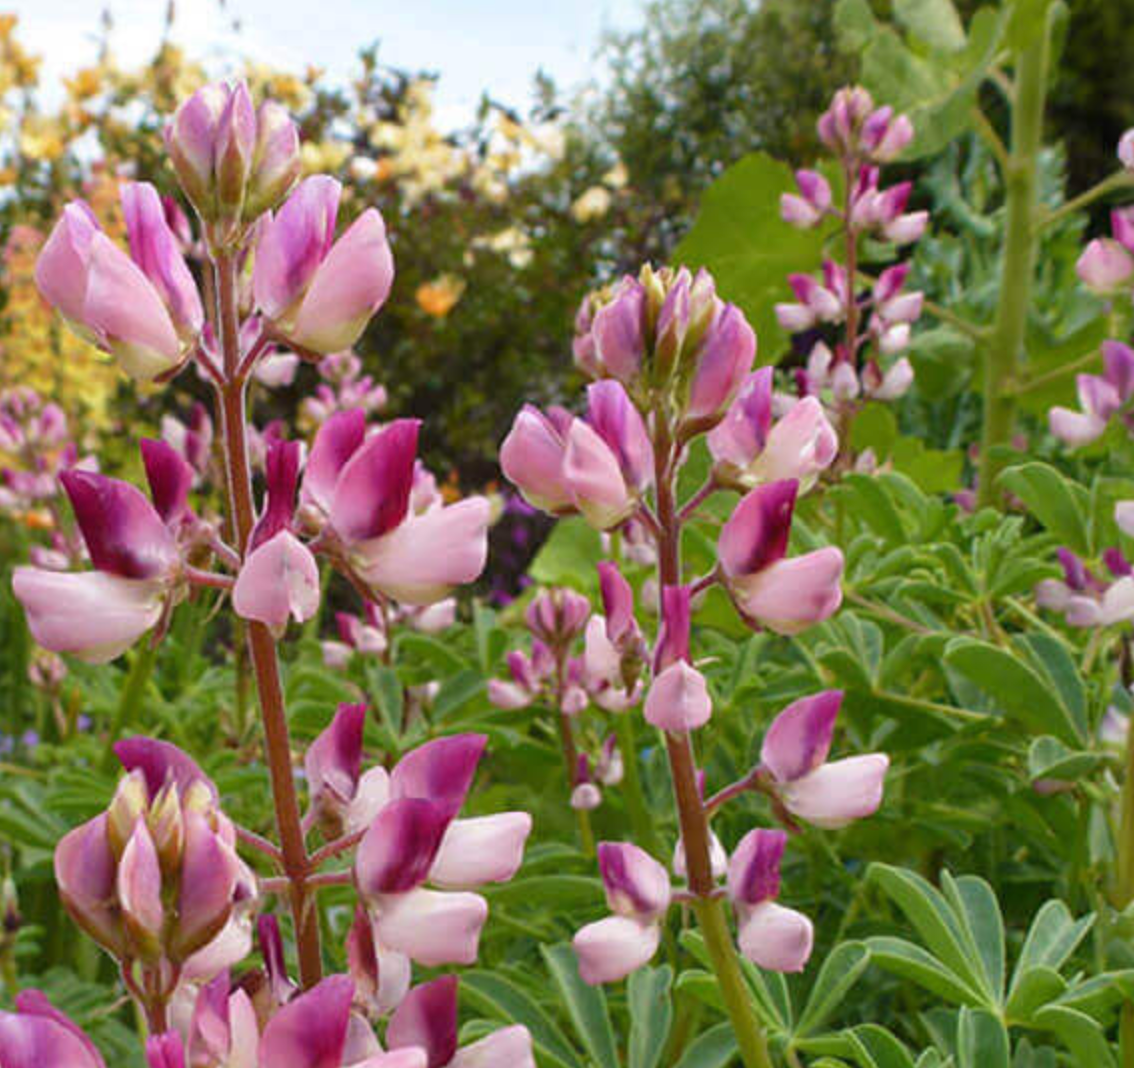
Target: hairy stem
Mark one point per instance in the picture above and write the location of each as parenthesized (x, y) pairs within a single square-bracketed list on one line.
[(1004, 352), (261, 644), (690, 810)]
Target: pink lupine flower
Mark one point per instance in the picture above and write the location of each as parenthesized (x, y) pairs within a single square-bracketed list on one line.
[(381, 976), (333, 766), (557, 617), (603, 671), (427, 1021), (1105, 266), (783, 594), (233, 162), (1085, 599), (816, 304), (279, 578), (134, 545), (358, 490), (813, 202), (223, 1028), (770, 935), (37, 1035), (413, 839), (638, 893), (826, 794), (618, 331), (319, 294), (586, 795), (1100, 398), (192, 439), (890, 384), (748, 448), (156, 875), (1126, 150), (678, 699), (531, 457), (143, 308)]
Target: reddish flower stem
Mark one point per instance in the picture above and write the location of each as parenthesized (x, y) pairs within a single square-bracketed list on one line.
[(262, 646)]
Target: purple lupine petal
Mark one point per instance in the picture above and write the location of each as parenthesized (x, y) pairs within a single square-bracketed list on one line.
[(123, 533), (138, 886), (35, 1003), (636, 885), (161, 762), (427, 1018), (85, 869), (170, 478), (310, 1031), (799, 738), (673, 634), (208, 880), (726, 356), (333, 761), (398, 850), (372, 494), (63, 265), (35, 1041), (531, 457), (613, 416), (281, 477), (757, 532), (754, 868), (739, 438), (1118, 361), (619, 328), (617, 602), (440, 771), (336, 442)]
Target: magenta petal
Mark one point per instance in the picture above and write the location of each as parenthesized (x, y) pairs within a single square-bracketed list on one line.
[(335, 443), (739, 438), (281, 477), (799, 738), (636, 885), (310, 1031), (592, 471), (37, 1041), (122, 531), (754, 868), (1118, 361), (165, 1051), (372, 493), (619, 330), (617, 602), (85, 870), (161, 762), (531, 458), (34, 1003), (427, 1018), (61, 271), (350, 285), (726, 357), (334, 760), (673, 635), (170, 478), (398, 850), (440, 771), (613, 416), (757, 532), (209, 871), (279, 580)]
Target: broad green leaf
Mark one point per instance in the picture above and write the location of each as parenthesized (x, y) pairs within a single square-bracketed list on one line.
[(1015, 688), (569, 556), (1036, 987), (651, 1015), (739, 236), (854, 24), (1049, 758), (982, 1041), (1051, 939), (493, 994), (716, 1048), (875, 1047), (976, 907), (912, 962), (934, 22), (840, 971), (586, 1005), (1059, 504)]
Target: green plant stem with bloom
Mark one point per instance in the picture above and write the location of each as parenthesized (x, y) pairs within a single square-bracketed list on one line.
[(570, 751), (261, 644), (691, 812), (1004, 351)]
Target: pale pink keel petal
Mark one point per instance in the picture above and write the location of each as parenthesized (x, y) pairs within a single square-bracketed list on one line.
[(92, 614), (433, 927), (611, 949), (488, 849), (775, 937), (279, 580), (838, 793), (791, 595), (420, 561), (510, 1047), (592, 472), (679, 699)]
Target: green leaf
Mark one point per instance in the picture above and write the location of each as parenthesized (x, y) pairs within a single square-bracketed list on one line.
[(569, 556), (651, 1015), (840, 971), (1035, 988), (1015, 688), (1083, 1036), (1059, 504), (497, 996), (934, 22), (854, 24), (875, 1047), (716, 1048), (976, 907), (911, 962), (586, 1005), (1049, 758), (982, 1041), (1051, 939), (739, 236)]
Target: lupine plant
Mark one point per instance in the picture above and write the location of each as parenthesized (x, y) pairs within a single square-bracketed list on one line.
[(157, 879)]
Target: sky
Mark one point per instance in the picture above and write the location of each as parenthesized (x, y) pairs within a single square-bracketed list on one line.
[(474, 45)]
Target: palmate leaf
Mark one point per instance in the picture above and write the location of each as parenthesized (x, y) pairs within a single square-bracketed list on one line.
[(586, 1005), (651, 1015)]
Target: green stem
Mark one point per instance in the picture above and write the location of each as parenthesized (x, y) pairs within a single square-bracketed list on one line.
[(130, 699), (1120, 180), (1004, 352), (734, 991), (640, 822)]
